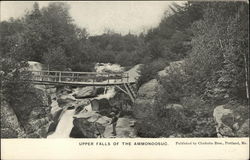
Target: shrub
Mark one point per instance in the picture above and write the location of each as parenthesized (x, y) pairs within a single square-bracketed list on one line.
[(83, 67), (175, 85), (150, 71)]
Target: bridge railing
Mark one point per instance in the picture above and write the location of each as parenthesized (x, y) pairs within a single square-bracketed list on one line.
[(67, 76)]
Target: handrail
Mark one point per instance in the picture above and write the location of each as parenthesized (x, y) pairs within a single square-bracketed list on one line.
[(72, 72), (68, 76)]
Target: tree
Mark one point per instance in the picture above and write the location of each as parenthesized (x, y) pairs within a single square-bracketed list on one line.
[(55, 59), (220, 40)]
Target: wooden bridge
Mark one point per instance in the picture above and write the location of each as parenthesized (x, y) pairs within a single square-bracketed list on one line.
[(119, 80)]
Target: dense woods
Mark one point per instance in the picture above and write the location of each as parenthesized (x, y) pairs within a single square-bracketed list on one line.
[(214, 48), (210, 38)]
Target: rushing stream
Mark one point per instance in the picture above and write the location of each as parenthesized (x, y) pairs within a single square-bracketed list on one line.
[(64, 126)]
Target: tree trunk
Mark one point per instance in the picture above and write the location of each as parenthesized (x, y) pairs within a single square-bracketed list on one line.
[(247, 75)]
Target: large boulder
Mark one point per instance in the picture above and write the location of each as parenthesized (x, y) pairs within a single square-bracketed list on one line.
[(230, 122), (85, 92), (10, 126), (99, 90), (65, 101), (76, 133), (55, 110), (63, 90), (34, 113), (145, 101), (91, 124), (101, 106), (220, 113)]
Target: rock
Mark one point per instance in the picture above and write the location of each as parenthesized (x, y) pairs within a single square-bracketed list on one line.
[(95, 105), (38, 123), (65, 101), (84, 92), (34, 113), (145, 101), (176, 135), (244, 129), (218, 113), (52, 127), (99, 91), (91, 124), (236, 126), (102, 106), (176, 107), (43, 131), (79, 109), (225, 119), (76, 133), (63, 90), (8, 133), (9, 121), (33, 135), (226, 131), (81, 102), (56, 114), (71, 107)]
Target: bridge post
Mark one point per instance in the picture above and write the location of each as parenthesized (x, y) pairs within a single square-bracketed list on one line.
[(41, 74), (94, 78), (77, 76), (72, 77), (108, 78), (48, 76), (60, 76)]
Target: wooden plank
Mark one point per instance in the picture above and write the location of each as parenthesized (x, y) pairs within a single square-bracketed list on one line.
[(121, 89), (129, 93)]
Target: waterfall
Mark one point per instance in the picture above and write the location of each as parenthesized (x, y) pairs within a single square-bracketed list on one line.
[(109, 94), (64, 126)]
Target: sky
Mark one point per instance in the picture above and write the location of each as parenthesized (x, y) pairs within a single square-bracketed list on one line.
[(98, 16)]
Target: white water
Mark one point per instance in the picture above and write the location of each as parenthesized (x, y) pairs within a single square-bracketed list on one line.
[(64, 126), (108, 67), (109, 94), (35, 66)]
